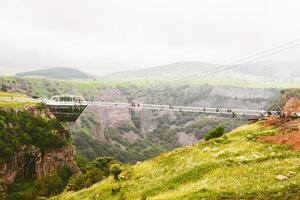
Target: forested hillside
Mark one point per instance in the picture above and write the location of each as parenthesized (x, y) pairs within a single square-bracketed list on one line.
[(56, 73)]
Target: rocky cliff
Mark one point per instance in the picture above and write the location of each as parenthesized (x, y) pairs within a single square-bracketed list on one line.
[(33, 164)]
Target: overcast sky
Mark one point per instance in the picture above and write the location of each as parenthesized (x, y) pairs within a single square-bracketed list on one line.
[(101, 36)]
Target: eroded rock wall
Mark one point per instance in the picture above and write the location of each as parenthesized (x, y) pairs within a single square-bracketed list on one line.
[(33, 164)]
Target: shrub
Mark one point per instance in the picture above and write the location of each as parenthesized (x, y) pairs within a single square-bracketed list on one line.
[(115, 190), (81, 162), (94, 172), (21, 190), (77, 182), (115, 170), (65, 173), (215, 132), (49, 185), (93, 176), (104, 164), (81, 180)]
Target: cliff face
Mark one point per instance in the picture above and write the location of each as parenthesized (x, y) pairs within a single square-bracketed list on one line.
[(33, 164), (56, 160)]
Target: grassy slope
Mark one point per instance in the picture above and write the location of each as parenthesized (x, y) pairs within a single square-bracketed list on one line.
[(234, 167), (9, 104), (7, 94)]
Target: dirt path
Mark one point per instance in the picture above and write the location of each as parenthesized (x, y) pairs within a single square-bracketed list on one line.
[(289, 132), (291, 139)]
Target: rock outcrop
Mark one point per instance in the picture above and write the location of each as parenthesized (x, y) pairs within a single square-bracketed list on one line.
[(291, 106), (33, 164), (56, 160)]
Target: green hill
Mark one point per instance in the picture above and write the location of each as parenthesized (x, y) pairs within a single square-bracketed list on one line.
[(234, 166), (56, 73)]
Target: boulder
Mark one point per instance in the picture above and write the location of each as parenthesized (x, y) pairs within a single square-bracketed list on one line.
[(281, 177)]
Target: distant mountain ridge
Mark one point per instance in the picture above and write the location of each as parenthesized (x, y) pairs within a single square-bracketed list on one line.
[(283, 70), (173, 69), (56, 73)]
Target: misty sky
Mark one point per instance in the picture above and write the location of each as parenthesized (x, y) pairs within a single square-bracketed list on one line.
[(101, 36)]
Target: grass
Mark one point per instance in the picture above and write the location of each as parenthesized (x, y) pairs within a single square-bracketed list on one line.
[(7, 94), (11, 104), (232, 167)]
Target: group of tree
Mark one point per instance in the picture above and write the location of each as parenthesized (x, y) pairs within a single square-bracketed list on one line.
[(20, 130), (94, 172)]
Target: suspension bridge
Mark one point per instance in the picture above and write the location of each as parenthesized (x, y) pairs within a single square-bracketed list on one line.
[(66, 105)]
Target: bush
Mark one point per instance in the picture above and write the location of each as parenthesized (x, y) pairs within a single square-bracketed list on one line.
[(49, 185), (94, 172), (115, 190), (65, 173), (77, 182), (81, 162), (93, 176), (21, 190), (81, 180), (104, 164), (115, 170), (215, 132)]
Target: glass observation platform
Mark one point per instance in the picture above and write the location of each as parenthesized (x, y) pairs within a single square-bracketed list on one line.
[(66, 108)]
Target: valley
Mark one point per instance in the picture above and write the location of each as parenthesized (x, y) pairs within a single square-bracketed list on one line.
[(139, 135)]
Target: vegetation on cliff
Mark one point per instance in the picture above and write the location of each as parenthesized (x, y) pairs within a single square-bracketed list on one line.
[(234, 166), (47, 186), (21, 129), (25, 136)]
